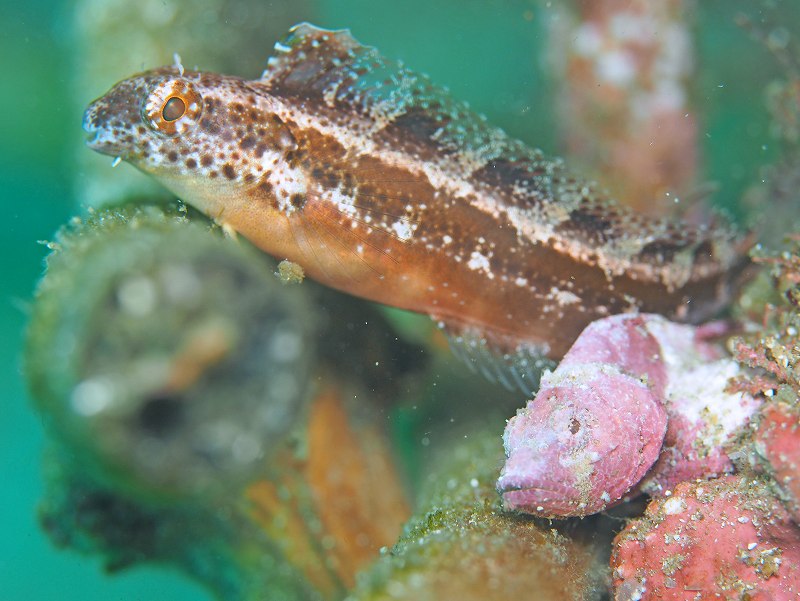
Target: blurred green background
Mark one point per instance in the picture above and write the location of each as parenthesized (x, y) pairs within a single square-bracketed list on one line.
[(487, 51)]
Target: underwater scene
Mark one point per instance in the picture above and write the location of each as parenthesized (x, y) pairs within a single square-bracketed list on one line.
[(422, 300)]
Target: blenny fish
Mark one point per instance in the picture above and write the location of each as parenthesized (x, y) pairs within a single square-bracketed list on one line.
[(379, 184)]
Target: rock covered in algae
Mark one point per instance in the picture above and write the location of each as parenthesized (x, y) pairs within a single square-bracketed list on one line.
[(723, 539), (302, 531), (173, 369), (168, 357), (212, 542), (461, 545)]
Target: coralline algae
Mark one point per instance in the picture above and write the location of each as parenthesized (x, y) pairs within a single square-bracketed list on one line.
[(638, 404), (778, 448), (723, 539)]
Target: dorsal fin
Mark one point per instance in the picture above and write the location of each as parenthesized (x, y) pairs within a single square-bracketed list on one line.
[(309, 59), (331, 67)]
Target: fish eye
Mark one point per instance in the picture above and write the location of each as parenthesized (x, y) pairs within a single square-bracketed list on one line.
[(174, 109)]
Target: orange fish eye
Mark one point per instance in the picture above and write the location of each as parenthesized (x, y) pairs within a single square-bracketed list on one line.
[(174, 109)]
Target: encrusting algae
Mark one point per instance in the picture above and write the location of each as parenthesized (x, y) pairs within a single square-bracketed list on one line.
[(462, 545)]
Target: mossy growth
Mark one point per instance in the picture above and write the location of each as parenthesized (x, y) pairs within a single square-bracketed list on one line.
[(462, 544)]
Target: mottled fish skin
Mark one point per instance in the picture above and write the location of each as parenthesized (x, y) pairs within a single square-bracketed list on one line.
[(379, 184)]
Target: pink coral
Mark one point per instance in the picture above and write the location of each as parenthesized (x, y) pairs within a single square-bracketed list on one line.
[(637, 405), (723, 539)]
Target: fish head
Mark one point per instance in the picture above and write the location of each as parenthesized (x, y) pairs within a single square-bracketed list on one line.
[(144, 118), (197, 133)]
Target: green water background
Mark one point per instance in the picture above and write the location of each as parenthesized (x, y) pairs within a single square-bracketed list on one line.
[(485, 51)]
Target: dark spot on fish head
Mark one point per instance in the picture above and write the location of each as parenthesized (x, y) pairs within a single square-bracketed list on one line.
[(210, 126), (228, 171), (298, 200)]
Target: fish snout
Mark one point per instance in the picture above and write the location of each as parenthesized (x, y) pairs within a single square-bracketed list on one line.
[(102, 137), (89, 119)]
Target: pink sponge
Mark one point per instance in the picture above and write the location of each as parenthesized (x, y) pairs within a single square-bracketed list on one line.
[(582, 444)]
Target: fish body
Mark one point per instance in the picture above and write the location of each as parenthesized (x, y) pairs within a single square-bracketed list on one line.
[(379, 184)]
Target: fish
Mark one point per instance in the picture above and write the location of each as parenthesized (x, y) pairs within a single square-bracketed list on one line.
[(380, 184)]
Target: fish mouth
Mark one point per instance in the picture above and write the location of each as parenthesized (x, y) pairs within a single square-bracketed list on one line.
[(100, 139), (99, 142)]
